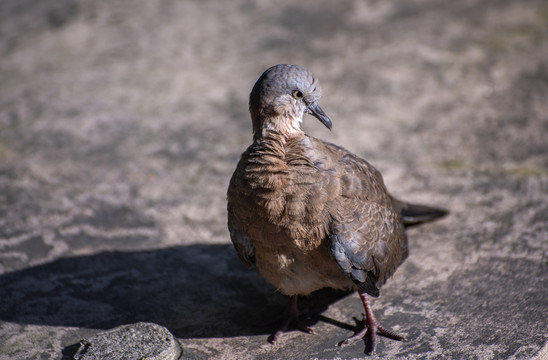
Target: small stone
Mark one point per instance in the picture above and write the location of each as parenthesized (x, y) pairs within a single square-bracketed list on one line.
[(127, 342)]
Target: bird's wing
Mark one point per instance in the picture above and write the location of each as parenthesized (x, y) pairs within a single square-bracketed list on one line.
[(242, 243), (367, 238), (368, 251)]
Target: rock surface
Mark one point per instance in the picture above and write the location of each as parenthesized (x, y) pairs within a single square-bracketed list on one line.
[(130, 342), (121, 123)]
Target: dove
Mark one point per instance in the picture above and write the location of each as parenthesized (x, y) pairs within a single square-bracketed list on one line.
[(309, 214)]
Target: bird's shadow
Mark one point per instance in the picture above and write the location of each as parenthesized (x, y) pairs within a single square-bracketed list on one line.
[(196, 291)]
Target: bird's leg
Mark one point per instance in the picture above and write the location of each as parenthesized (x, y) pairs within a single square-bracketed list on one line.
[(371, 327), (291, 316)]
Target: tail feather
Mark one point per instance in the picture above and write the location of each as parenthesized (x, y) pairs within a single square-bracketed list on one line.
[(415, 214)]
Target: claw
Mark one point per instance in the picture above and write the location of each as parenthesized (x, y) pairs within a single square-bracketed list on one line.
[(291, 316), (371, 328)]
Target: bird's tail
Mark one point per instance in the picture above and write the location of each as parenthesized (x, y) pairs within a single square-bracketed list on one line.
[(415, 214)]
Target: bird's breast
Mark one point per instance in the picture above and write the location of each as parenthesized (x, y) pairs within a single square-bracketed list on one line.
[(297, 270), (279, 195)]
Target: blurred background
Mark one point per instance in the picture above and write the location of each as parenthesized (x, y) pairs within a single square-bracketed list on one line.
[(121, 123)]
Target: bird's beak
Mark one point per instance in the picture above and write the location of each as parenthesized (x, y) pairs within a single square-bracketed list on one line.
[(315, 110)]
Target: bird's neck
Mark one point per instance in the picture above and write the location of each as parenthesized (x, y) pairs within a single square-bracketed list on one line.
[(274, 141), (287, 125)]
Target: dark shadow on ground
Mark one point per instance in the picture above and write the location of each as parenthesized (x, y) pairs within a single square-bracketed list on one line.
[(195, 291)]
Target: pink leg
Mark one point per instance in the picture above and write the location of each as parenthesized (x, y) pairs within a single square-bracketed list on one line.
[(291, 316), (371, 327)]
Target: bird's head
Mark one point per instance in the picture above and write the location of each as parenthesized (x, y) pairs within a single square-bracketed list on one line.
[(280, 98)]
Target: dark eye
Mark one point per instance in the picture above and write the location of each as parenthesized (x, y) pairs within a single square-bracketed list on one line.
[(298, 94)]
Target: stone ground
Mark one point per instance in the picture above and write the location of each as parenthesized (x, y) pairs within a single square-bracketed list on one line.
[(121, 123)]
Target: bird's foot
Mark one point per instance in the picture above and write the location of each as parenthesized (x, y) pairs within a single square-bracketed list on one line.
[(285, 325), (291, 317), (371, 328)]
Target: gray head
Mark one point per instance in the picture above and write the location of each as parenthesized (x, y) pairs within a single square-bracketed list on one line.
[(282, 95)]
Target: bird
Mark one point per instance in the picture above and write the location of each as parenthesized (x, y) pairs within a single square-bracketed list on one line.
[(309, 214)]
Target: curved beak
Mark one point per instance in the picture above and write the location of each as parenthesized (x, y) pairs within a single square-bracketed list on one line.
[(315, 110)]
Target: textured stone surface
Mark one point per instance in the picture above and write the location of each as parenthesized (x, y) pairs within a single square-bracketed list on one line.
[(136, 341), (121, 123)]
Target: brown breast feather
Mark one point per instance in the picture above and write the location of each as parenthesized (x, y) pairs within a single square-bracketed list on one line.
[(321, 204)]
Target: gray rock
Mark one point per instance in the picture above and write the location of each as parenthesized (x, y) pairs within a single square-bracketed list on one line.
[(131, 342)]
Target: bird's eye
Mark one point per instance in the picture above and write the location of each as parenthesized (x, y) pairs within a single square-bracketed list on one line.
[(298, 94)]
